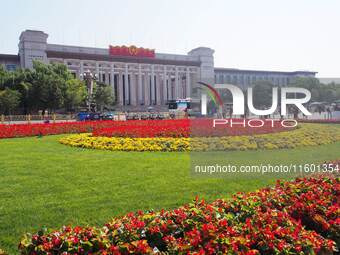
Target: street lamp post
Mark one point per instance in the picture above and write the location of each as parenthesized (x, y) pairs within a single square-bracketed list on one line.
[(89, 79)]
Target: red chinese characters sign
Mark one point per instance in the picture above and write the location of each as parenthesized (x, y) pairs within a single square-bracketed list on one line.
[(131, 51)]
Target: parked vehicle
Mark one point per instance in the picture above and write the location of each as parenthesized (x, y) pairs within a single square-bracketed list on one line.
[(107, 116), (136, 116), (153, 116), (129, 116), (161, 116), (93, 116), (144, 116), (82, 116)]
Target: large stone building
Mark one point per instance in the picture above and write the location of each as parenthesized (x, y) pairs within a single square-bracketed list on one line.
[(140, 78)]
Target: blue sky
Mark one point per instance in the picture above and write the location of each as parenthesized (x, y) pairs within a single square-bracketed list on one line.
[(262, 34)]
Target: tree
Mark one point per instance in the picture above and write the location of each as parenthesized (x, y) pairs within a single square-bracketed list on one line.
[(262, 94), (337, 92), (103, 95), (49, 86), (309, 83), (45, 87), (74, 94), (3, 77), (320, 92), (9, 100)]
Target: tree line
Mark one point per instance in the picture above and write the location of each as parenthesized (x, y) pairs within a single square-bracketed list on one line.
[(48, 87)]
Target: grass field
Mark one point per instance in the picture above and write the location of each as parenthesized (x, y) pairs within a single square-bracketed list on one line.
[(44, 183)]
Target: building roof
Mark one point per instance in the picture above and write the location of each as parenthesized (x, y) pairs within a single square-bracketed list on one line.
[(221, 69), (9, 57)]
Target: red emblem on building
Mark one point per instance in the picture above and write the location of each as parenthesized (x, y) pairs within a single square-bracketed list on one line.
[(131, 51)]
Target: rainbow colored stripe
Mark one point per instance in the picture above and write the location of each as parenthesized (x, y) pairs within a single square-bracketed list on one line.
[(213, 94)]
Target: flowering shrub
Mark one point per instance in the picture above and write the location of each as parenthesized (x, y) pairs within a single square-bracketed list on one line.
[(183, 128), (147, 128), (134, 128), (127, 144), (297, 217), (24, 130), (321, 121), (307, 135)]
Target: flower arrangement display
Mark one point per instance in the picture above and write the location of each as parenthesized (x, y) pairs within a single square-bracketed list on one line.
[(127, 144), (307, 135), (42, 129), (294, 217), (134, 128), (322, 121), (184, 128), (147, 128)]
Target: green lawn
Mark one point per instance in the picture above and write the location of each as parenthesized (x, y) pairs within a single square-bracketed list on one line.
[(44, 183)]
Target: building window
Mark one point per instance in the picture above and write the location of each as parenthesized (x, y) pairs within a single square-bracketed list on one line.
[(11, 67), (220, 80), (242, 80)]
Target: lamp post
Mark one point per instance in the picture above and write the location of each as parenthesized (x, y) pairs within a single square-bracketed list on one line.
[(89, 78)]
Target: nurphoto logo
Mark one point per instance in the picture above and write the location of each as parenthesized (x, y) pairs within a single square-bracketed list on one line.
[(238, 105), (238, 99)]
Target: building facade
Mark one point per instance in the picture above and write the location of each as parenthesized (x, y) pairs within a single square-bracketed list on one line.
[(139, 77), (245, 78)]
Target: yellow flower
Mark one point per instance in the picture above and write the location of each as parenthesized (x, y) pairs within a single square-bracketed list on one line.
[(307, 135)]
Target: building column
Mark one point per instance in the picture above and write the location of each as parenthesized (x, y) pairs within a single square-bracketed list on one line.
[(126, 83), (146, 89), (81, 75), (165, 92), (171, 87), (153, 96), (133, 87), (188, 83), (140, 85), (97, 70), (112, 80), (107, 81), (120, 89), (158, 89), (176, 96)]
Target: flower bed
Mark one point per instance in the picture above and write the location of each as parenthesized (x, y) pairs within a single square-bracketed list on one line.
[(147, 128), (184, 128), (127, 144), (297, 217), (25, 130), (307, 135), (321, 121), (134, 128)]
